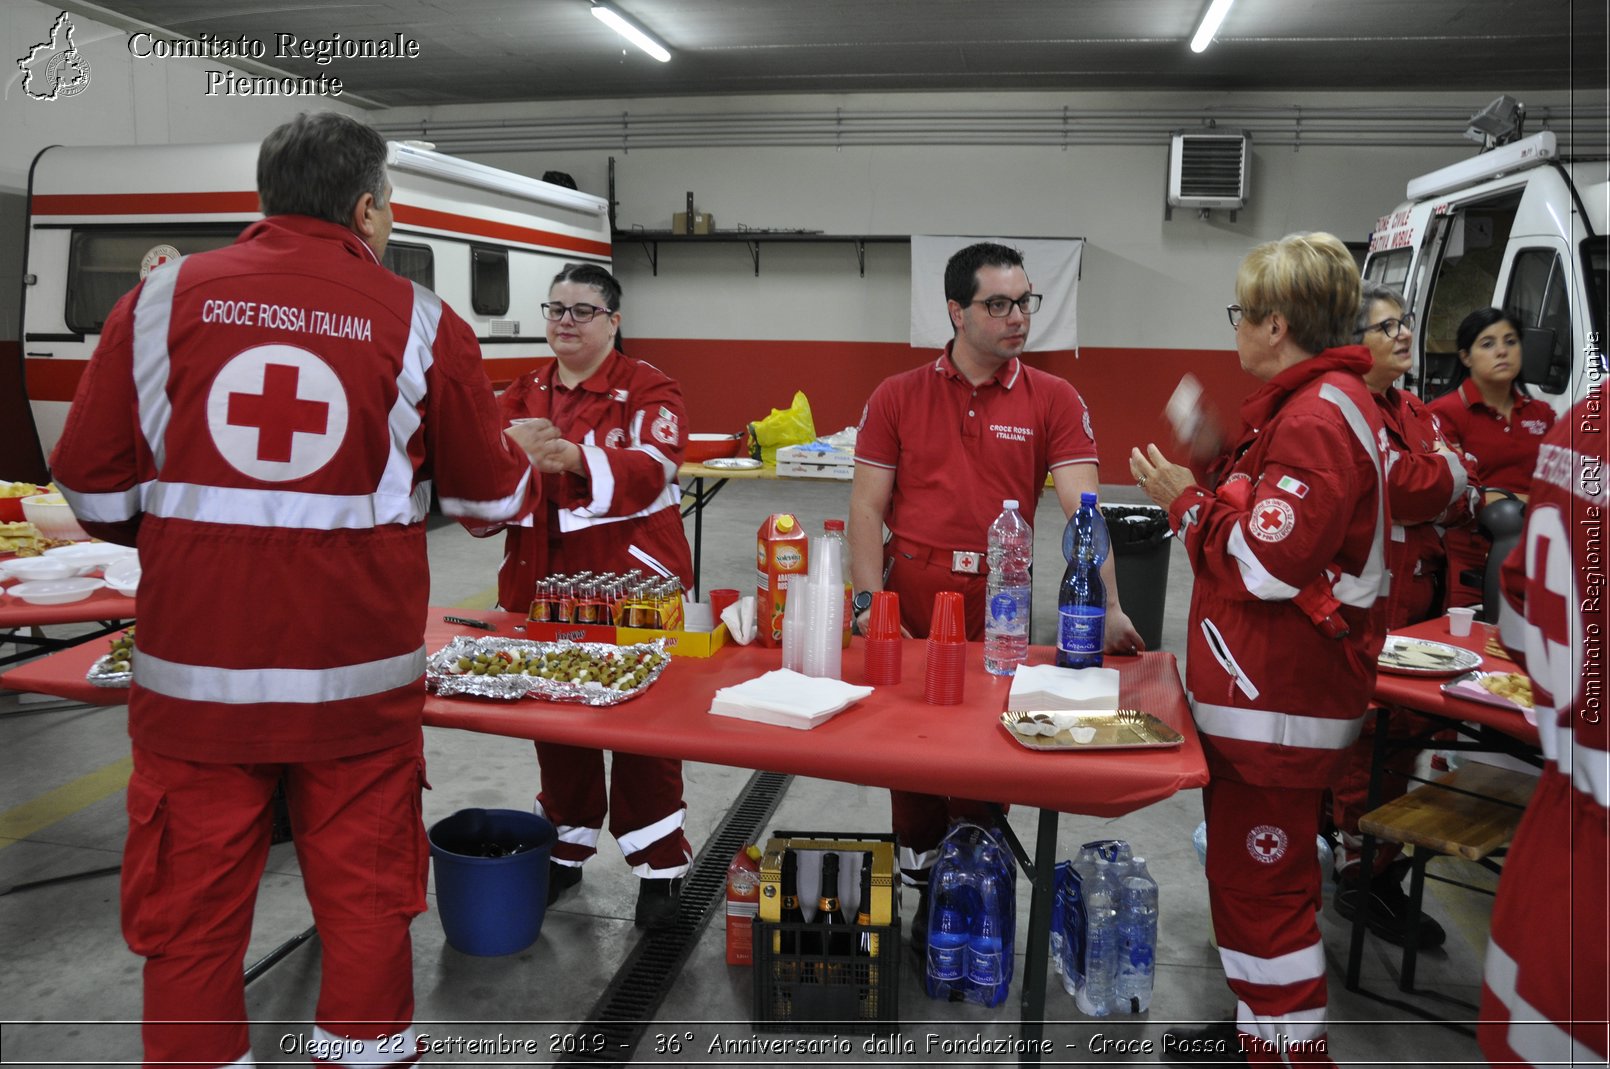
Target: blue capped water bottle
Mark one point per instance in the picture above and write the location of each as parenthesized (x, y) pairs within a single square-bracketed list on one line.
[(949, 926), (1082, 599), (1137, 939), (988, 952)]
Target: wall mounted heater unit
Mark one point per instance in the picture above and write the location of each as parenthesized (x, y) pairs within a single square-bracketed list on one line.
[(1209, 170)]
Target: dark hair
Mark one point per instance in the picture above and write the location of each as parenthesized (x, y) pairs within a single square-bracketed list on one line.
[(1470, 329), (591, 275), (320, 165), (961, 273)]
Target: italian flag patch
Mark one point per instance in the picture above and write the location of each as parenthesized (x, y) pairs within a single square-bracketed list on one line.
[(1294, 487)]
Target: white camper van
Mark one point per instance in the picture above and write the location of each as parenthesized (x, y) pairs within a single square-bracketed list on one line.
[(487, 241), (1517, 227)]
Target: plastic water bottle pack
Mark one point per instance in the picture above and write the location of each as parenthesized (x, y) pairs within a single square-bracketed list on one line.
[(972, 914), (1108, 926)]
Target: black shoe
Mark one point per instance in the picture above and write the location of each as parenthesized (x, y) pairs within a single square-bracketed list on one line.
[(1389, 912), (561, 878), (1215, 1044), (658, 902), (919, 924)]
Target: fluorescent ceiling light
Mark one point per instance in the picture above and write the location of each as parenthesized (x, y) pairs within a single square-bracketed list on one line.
[(410, 157), (631, 31), (1210, 24)]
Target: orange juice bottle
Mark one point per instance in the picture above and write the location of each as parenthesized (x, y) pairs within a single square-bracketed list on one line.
[(782, 552)]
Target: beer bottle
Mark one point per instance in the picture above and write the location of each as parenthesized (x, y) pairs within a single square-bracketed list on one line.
[(866, 942), (830, 915)]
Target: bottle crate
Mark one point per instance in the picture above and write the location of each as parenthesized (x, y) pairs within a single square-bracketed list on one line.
[(801, 987)]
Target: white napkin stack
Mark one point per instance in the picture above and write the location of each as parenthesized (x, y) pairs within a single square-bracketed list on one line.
[(740, 620), (787, 699), (1045, 686)]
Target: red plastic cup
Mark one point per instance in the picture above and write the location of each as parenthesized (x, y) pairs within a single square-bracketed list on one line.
[(947, 625), (884, 623), (719, 600), (945, 672), (883, 661)]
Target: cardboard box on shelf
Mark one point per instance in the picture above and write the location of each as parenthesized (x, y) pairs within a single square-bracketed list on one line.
[(703, 223)]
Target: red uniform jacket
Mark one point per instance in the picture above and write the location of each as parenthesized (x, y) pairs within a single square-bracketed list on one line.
[(624, 513), (267, 420), (1276, 701)]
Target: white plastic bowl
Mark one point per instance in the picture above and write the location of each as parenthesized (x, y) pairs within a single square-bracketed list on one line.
[(38, 568), (53, 516), (123, 575), (55, 591), (86, 557)]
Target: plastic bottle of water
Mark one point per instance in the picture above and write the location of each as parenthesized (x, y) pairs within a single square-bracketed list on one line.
[(1095, 998), (949, 926), (1137, 939), (1059, 909), (1082, 599), (986, 948), (1006, 615)]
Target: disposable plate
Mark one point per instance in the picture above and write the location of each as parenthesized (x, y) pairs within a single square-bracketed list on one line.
[(1421, 657)]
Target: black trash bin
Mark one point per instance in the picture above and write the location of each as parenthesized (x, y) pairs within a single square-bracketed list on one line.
[(1140, 540)]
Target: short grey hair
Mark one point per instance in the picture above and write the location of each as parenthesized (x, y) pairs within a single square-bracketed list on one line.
[(320, 165), (1369, 293)]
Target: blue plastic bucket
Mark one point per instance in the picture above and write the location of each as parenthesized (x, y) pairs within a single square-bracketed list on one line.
[(491, 905)]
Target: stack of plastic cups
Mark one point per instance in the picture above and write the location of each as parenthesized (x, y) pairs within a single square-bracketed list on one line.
[(947, 651), (883, 640), (824, 627), (796, 622)]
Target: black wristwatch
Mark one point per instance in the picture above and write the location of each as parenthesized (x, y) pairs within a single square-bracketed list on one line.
[(861, 602)]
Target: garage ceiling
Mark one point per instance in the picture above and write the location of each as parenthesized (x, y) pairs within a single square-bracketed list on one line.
[(495, 50)]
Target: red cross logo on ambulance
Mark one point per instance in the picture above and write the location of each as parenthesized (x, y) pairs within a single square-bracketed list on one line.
[(664, 428), (277, 413), (1272, 520), (1266, 843)]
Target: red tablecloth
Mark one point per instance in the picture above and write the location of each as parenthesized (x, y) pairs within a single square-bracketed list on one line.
[(1424, 693), (103, 604), (891, 739)]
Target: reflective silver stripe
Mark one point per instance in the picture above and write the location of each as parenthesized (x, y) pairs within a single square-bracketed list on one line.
[(1222, 653), (112, 507), (283, 508), (665, 461), (643, 838), (1530, 1034), (153, 313), (1361, 591), (581, 519), (600, 477), (1275, 729), (649, 872), (327, 1048), (648, 559), (1461, 478), (1299, 965), (493, 511), (403, 421), (1298, 1026), (294, 686), (1254, 576), (1588, 769)]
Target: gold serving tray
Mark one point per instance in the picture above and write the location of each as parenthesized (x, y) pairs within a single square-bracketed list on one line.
[(1102, 729)]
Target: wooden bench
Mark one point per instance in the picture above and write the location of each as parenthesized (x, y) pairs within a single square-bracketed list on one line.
[(1471, 813)]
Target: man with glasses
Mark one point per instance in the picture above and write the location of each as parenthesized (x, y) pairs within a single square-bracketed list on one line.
[(940, 447), (1428, 487)]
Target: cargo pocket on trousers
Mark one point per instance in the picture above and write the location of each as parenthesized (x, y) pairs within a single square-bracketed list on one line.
[(421, 869), (147, 909)]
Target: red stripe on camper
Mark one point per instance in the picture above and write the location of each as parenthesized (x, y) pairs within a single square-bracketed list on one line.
[(464, 224), (144, 203)]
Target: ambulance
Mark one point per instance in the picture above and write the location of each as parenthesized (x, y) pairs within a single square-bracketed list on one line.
[(1517, 227), (487, 241)]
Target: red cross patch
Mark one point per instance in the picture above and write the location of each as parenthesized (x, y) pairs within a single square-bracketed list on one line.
[(277, 412), (1272, 520), (664, 429), (1266, 843)]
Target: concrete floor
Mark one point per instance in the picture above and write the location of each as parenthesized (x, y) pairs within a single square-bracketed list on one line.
[(70, 989)]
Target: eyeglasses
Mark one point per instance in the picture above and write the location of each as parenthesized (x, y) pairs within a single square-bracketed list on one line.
[(1001, 307), (1391, 327), (581, 313), (1235, 312)]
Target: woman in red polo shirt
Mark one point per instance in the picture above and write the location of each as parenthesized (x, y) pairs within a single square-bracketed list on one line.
[(1497, 422)]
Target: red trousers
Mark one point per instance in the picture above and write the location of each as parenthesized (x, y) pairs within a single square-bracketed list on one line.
[(1350, 791), (198, 839), (921, 820), (1467, 551), (1263, 893), (644, 804), (1545, 996)]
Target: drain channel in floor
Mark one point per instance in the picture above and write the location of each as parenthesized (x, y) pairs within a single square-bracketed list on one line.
[(624, 1011)]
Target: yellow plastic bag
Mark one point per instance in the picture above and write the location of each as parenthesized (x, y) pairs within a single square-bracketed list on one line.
[(785, 426)]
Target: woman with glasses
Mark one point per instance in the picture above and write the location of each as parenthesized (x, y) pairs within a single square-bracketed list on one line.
[(1499, 424), (1286, 534), (611, 434), (1428, 488)]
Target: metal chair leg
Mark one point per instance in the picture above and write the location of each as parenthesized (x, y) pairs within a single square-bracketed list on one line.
[(1411, 943)]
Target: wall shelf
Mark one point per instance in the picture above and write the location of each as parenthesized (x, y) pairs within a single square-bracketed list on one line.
[(650, 241)]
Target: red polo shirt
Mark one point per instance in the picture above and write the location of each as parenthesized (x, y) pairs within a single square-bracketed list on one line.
[(958, 450), (1505, 450)]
